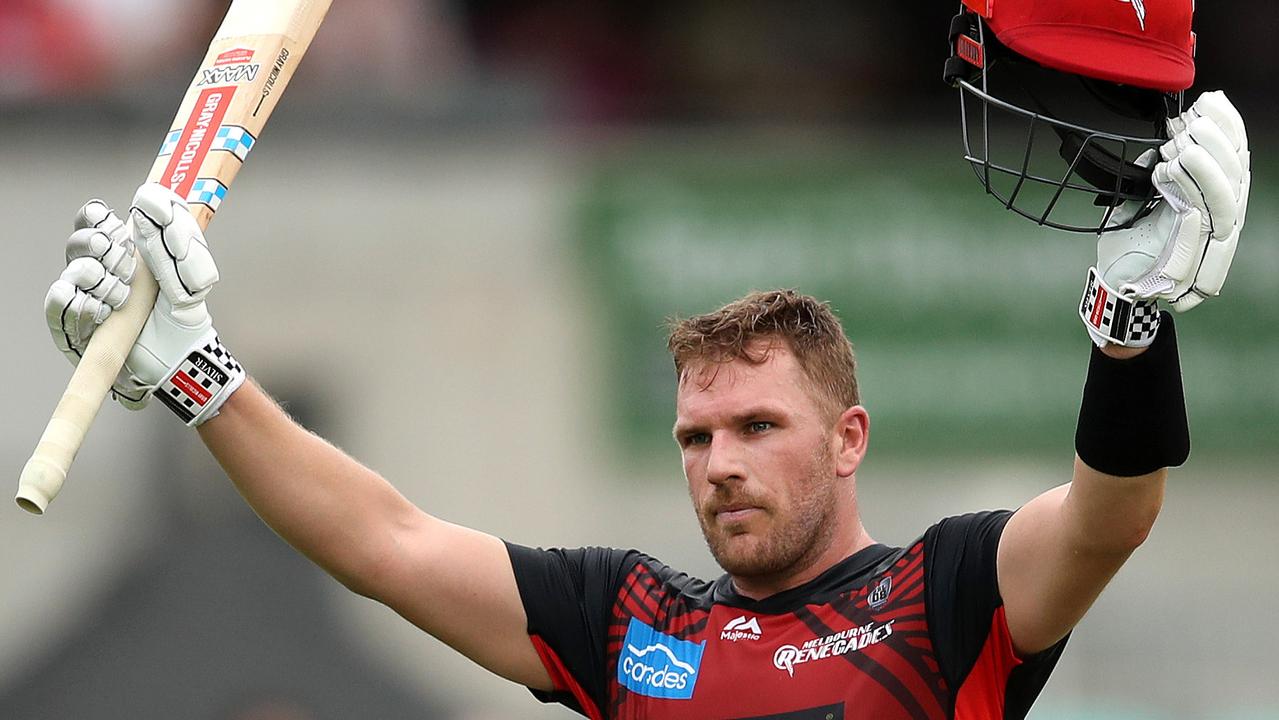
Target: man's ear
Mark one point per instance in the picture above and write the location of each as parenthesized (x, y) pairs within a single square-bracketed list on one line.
[(852, 433)]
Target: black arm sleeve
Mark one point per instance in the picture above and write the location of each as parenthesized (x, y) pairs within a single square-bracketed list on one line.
[(1132, 419), (568, 596), (963, 596)]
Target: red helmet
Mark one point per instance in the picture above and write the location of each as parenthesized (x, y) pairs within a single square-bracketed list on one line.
[(1099, 76)]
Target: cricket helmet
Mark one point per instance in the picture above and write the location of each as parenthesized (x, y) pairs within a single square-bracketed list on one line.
[(1090, 82)]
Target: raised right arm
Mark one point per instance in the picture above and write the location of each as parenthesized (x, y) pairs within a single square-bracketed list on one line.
[(453, 582), (456, 584)]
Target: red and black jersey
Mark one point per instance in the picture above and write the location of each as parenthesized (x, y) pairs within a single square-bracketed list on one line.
[(913, 633)]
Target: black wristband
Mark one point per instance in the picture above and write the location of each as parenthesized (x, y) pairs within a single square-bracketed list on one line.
[(1133, 417)]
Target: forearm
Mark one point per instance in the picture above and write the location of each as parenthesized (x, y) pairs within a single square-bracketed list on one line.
[(1132, 426), (1060, 550), (1110, 515), (452, 582), (1119, 352), (337, 512)]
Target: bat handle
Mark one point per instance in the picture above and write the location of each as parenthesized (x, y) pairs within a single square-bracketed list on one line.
[(44, 473)]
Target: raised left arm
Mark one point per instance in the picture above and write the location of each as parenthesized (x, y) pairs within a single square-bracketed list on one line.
[(1060, 550)]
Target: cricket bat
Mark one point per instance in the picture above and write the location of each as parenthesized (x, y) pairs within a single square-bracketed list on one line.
[(250, 61)]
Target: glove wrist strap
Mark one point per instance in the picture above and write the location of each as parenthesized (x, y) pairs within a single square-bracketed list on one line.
[(1112, 318), (201, 382)]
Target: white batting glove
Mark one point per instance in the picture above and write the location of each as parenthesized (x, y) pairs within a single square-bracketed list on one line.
[(100, 265), (177, 358), (1182, 251)]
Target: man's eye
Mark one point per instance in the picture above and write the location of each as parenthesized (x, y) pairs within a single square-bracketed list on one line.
[(697, 439), (760, 426)]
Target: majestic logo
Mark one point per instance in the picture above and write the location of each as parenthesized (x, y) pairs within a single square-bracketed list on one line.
[(655, 664), (879, 595), (741, 629), (1139, 6), (851, 640)]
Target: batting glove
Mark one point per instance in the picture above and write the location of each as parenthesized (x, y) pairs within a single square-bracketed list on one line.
[(177, 357), (1181, 252)]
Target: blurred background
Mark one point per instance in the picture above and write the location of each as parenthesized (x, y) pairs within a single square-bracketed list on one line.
[(453, 255)]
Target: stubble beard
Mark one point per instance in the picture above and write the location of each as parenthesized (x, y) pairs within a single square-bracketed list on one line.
[(793, 541)]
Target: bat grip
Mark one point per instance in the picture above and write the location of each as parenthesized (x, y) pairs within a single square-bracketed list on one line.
[(44, 473)]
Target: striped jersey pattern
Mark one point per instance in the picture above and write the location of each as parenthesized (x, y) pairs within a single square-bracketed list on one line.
[(913, 633)]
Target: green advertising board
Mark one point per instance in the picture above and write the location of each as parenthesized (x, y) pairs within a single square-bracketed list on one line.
[(962, 315)]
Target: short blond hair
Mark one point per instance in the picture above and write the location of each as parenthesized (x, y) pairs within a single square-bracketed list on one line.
[(806, 325)]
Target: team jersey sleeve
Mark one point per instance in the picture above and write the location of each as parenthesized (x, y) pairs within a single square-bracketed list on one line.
[(966, 620), (568, 596)]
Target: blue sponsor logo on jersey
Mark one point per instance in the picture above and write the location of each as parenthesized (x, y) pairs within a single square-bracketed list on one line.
[(655, 664)]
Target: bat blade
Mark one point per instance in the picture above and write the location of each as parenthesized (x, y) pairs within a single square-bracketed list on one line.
[(245, 71)]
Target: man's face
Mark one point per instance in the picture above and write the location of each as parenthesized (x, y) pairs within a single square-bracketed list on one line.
[(759, 458)]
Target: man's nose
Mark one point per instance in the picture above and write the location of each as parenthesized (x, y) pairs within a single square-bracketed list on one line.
[(724, 463)]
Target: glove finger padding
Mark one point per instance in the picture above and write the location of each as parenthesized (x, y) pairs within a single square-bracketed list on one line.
[(87, 291), (174, 248), (1211, 158), (91, 277), (1182, 250), (1189, 302), (1210, 136), (1216, 264), (1219, 254), (1209, 169), (1195, 176), (97, 214), (72, 317), (79, 300), (100, 234), (1184, 255), (1217, 107)]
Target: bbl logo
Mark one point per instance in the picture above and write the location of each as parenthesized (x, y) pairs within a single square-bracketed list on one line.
[(879, 595), (658, 665)]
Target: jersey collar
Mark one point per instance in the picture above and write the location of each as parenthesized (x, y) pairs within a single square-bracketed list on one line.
[(861, 565)]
